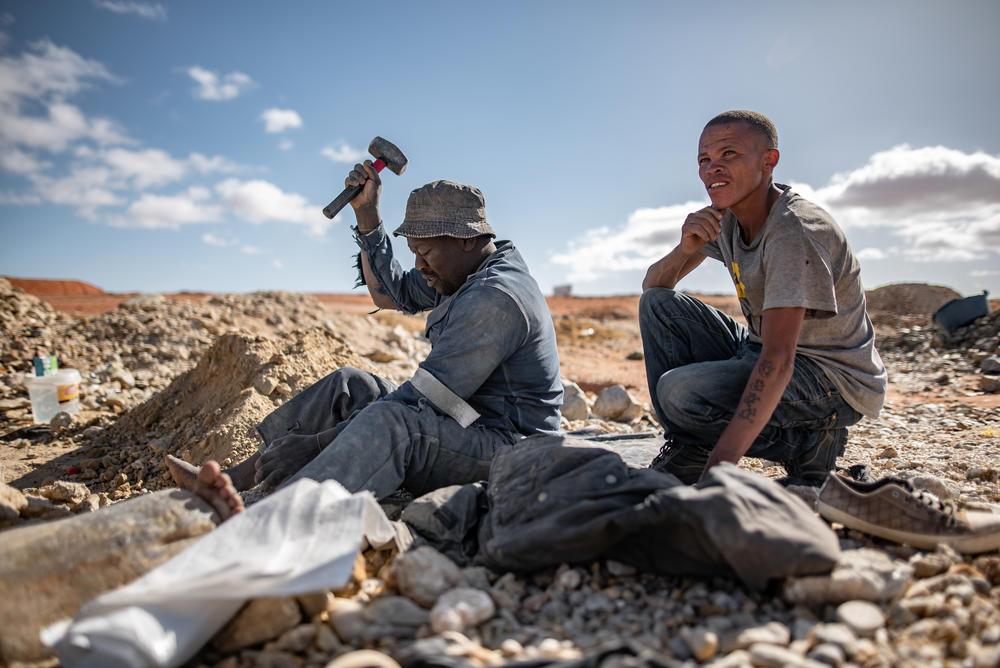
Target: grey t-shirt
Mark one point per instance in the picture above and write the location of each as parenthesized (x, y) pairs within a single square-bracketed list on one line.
[(800, 258)]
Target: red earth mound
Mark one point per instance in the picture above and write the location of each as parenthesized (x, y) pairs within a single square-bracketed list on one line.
[(40, 287)]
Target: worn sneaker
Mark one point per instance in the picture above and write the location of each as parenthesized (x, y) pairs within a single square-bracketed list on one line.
[(893, 509), (812, 466), (687, 463)]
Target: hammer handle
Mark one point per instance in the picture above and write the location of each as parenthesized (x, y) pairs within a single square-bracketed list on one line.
[(343, 198)]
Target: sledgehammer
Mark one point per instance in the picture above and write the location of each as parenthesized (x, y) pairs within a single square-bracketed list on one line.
[(386, 155)]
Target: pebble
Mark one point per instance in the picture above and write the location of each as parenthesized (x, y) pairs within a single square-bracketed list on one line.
[(424, 574), (702, 642), (863, 617), (772, 633), (461, 608), (763, 655)]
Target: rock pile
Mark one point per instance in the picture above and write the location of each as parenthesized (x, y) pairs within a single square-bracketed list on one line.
[(873, 609)]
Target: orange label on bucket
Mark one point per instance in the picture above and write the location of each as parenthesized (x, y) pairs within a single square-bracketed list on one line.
[(67, 393)]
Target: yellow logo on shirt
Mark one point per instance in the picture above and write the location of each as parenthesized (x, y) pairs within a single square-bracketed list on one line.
[(740, 291)]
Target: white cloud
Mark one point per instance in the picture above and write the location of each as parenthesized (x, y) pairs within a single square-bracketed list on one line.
[(279, 120), (145, 10), (213, 240), (943, 205), (16, 161), (251, 250), (871, 254), (217, 163), (643, 239), (86, 187), (212, 87), (260, 201), (286, 145), (47, 72), (277, 264), (984, 272), (34, 112), (343, 152), (63, 125), (145, 168), (19, 199), (163, 211)]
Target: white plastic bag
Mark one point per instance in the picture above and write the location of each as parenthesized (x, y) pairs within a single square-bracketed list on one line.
[(303, 538)]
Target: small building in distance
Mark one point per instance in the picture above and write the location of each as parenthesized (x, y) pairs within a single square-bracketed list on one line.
[(562, 290)]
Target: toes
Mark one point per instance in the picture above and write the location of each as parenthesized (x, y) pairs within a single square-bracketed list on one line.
[(209, 473)]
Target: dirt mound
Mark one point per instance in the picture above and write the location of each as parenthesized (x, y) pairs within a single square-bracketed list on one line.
[(26, 324), (40, 286), (909, 298), (210, 411)]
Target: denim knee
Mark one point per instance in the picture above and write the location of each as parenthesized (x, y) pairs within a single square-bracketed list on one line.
[(654, 302)]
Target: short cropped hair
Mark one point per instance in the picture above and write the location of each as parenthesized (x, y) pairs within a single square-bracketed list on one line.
[(757, 121)]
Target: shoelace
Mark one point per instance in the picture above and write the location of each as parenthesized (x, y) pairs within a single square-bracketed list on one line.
[(663, 453), (944, 510)]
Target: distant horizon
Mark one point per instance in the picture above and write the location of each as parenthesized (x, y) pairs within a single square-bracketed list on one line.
[(362, 293)]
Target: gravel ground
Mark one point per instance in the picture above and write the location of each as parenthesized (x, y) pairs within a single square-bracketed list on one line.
[(884, 604)]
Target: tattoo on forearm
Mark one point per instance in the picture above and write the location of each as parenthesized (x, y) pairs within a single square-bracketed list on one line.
[(757, 385), (765, 367), (747, 413)]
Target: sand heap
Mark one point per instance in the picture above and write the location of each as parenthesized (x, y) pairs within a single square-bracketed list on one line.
[(210, 411), (909, 298)]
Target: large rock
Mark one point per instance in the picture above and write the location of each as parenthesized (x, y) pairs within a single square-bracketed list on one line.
[(48, 571), (612, 402), (575, 405)]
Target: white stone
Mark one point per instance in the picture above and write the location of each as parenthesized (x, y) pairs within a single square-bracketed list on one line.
[(772, 633), (424, 574), (461, 608), (575, 405), (702, 642), (863, 574), (863, 617)]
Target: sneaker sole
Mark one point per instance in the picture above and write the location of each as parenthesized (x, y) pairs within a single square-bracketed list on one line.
[(971, 544)]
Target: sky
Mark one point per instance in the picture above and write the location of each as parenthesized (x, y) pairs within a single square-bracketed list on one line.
[(169, 146)]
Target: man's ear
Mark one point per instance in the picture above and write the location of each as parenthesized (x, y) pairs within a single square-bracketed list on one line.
[(469, 245), (771, 158)]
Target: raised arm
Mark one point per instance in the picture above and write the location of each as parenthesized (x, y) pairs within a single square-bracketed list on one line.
[(365, 205)]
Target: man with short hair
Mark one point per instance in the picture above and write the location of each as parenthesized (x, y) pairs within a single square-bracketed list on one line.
[(491, 378), (787, 386)]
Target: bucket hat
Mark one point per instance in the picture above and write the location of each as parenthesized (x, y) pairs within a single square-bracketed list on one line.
[(445, 209)]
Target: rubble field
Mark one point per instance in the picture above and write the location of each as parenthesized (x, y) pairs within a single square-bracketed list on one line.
[(191, 374)]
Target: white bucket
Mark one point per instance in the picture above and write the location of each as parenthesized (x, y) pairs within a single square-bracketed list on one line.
[(52, 394)]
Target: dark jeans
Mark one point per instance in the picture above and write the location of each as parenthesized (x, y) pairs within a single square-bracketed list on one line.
[(382, 445), (698, 361)]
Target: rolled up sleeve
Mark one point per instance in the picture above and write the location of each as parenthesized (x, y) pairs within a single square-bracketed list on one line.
[(485, 327), (407, 289)]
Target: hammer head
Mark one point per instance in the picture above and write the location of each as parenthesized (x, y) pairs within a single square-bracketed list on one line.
[(390, 155)]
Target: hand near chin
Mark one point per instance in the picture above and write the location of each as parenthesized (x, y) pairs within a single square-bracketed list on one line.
[(700, 227), (285, 457)]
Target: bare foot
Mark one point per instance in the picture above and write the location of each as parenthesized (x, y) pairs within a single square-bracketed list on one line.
[(208, 482)]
